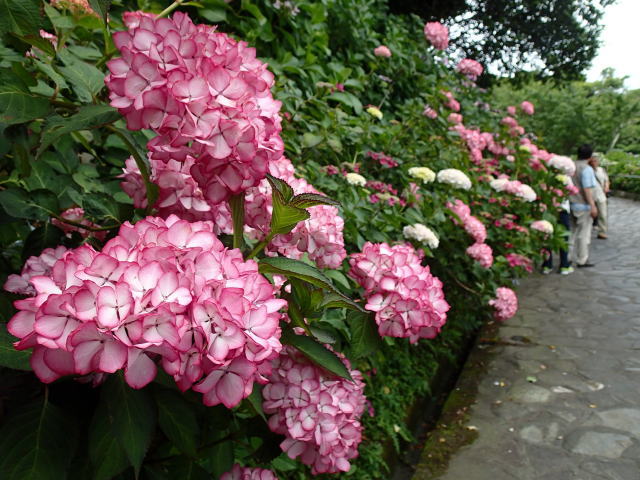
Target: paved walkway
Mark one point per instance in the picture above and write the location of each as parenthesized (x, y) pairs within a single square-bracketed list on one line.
[(567, 404)]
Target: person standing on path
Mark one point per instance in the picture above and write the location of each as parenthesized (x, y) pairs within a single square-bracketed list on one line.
[(583, 207), (600, 195)]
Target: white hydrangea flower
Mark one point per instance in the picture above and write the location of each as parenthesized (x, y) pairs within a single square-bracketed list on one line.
[(562, 178), (564, 164), (422, 234), (454, 177), (527, 193), (423, 173), (498, 184), (542, 226), (356, 179)]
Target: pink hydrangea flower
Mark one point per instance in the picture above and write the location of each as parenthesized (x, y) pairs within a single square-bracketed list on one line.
[(246, 473), (384, 159), (162, 292), (205, 95), (527, 107), (517, 260), (437, 34), (408, 301), (511, 110), (470, 68), (505, 304), (382, 51), (77, 215), (35, 266), (482, 253), (318, 414), (471, 224), (429, 112), (452, 103), (455, 118)]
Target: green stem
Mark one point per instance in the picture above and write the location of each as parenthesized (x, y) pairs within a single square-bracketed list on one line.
[(170, 8), (85, 227), (260, 245), (236, 205)]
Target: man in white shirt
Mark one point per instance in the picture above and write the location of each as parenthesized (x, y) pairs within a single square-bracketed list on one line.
[(600, 195), (583, 207)]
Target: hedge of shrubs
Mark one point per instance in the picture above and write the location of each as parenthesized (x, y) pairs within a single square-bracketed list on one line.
[(236, 263), (624, 171)]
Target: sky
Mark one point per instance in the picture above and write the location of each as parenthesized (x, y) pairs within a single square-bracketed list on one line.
[(620, 40)]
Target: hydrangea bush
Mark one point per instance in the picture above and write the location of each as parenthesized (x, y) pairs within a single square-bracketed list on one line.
[(226, 256)]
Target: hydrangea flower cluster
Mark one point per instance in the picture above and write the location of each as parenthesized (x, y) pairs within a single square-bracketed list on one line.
[(451, 103), (205, 95), (437, 34), (35, 266), (517, 260), (543, 226), (384, 159), (163, 292), (429, 112), (355, 179), (527, 107), (319, 414), (407, 299), (565, 164), (514, 187), (246, 473), (421, 233), (471, 68), (455, 118), (482, 253), (505, 304), (423, 173), (471, 224), (382, 51), (455, 178)]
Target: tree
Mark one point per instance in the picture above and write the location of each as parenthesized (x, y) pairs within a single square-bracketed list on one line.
[(557, 38)]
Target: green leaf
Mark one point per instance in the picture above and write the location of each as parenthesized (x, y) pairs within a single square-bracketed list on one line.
[(282, 187), (306, 200), (284, 218), (89, 116), (185, 469), (37, 442), (37, 41), (35, 205), (86, 79), (9, 356), (316, 352), (297, 269), (214, 15), (311, 140), (133, 417), (364, 334), (221, 458), (335, 300), (107, 456), (46, 236), (18, 105), (347, 99), (103, 207), (20, 16), (101, 7), (255, 400), (178, 421)]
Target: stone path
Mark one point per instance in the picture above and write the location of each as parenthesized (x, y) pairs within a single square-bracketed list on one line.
[(567, 405)]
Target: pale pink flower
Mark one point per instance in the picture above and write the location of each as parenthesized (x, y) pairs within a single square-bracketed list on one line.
[(511, 110), (246, 473), (482, 253), (35, 266), (517, 260), (527, 107), (408, 300), (77, 215), (318, 414), (470, 68), (472, 225), (452, 103), (437, 34), (382, 51), (454, 118), (429, 112), (505, 304)]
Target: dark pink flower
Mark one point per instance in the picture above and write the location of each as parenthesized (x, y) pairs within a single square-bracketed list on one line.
[(437, 34), (382, 51), (505, 304)]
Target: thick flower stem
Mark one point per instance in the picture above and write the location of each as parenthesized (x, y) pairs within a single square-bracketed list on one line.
[(236, 205), (170, 8), (260, 246)]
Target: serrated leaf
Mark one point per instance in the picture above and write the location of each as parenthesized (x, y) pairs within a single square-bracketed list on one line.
[(20, 106), (37, 41), (86, 79), (133, 417), (88, 117), (347, 99), (9, 356), (334, 300), (178, 421), (255, 400), (316, 352), (35, 205), (185, 469), (282, 187), (103, 207), (20, 16), (364, 334), (37, 443), (297, 269), (107, 456), (101, 7), (284, 218), (306, 200)]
